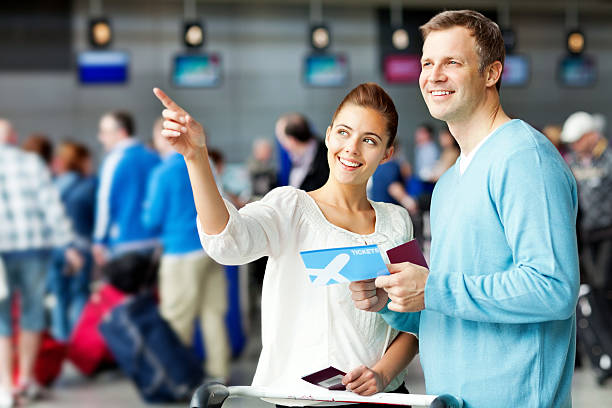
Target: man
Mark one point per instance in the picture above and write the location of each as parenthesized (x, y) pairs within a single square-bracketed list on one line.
[(32, 222), (426, 152), (591, 162), (309, 168), (191, 284), (121, 190), (497, 307)]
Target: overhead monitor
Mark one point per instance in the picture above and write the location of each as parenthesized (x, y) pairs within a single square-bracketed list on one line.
[(325, 70), (402, 68), (103, 67), (577, 71), (517, 71), (202, 70)]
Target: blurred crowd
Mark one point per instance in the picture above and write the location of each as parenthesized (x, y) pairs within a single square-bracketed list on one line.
[(65, 227)]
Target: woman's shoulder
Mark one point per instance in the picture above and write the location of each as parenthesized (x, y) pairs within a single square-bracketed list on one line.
[(282, 194)]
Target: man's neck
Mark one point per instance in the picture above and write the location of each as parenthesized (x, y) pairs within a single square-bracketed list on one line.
[(474, 129)]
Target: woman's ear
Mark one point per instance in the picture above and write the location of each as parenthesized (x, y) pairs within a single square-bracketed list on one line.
[(327, 133), (388, 154)]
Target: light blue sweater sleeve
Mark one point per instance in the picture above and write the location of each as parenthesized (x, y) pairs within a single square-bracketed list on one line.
[(535, 200)]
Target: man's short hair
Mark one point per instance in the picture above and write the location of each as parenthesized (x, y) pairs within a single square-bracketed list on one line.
[(489, 40), (297, 126), (124, 121)]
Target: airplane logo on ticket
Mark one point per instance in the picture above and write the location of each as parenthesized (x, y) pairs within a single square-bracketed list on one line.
[(343, 265)]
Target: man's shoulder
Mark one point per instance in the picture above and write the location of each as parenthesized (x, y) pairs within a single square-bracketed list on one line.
[(518, 136), (17, 158), (138, 152)]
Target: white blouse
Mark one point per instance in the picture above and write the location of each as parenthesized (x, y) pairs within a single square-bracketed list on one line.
[(305, 328)]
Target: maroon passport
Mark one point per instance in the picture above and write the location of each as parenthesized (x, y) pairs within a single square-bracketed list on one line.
[(408, 252), (330, 378)]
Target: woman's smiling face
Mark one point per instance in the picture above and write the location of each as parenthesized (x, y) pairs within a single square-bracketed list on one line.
[(356, 144)]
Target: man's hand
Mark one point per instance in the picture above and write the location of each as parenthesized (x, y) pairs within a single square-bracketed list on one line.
[(366, 296), (405, 286), (74, 260), (364, 381)]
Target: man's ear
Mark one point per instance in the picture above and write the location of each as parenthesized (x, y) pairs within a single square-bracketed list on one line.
[(494, 73), (388, 154), (327, 133)]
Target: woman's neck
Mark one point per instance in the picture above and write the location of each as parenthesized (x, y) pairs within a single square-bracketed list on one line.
[(343, 196)]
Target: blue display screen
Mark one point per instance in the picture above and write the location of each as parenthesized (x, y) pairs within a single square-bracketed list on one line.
[(196, 70), (516, 71), (326, 70), (103, 67), (577, 71)]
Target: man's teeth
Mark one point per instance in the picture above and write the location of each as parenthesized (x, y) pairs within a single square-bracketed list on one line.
[(440, 93), (350, 164)]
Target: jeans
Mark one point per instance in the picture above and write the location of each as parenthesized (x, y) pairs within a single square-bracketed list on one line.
[(71, 292), (25, 273)]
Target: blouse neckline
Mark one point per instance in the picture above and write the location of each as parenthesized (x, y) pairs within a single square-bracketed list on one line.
[(317, 215)]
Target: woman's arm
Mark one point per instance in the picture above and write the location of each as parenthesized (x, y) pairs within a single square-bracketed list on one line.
[(187, 137), (367, 381)]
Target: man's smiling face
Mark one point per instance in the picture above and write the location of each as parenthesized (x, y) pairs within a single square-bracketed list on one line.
[(450, 81)]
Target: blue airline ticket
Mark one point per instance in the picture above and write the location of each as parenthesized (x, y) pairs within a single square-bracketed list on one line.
[(340, 265)]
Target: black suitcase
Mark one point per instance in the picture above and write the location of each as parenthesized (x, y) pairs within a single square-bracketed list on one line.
[(594, 321)]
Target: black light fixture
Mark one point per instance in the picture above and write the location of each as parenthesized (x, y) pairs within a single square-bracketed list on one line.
[(100, 32), (509, 37), (193, 34), (576, 42), (320, 37)]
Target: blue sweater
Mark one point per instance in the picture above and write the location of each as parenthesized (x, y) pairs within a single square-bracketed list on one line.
[(120, 197), (498, 329), (169, 207)]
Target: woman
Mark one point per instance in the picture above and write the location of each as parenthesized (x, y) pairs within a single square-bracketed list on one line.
[(70, 284), (304, 327)]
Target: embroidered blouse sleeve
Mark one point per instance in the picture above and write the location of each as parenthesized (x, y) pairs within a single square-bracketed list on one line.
[(261, 228)]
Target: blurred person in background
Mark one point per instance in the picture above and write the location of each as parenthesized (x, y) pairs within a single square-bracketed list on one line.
[(426, 151), (234, 186), (191, 284), (553, 133), (262, 169), (32, 222), (263, 177), (40, 144), (77, 188), (309, 168), (590, 159), (448, 156), (387, 185), (121, 190)]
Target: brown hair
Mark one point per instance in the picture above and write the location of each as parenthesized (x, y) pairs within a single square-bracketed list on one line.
[(40, 144), (124, 121), (489, 41), (372, 96), (73, 156)]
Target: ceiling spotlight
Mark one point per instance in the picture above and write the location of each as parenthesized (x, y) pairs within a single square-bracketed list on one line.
[(100, 32), (320, 38), (400, 39), (193, 34), (575, 42)]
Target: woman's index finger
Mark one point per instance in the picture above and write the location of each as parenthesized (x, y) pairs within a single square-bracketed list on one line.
[(166, 100)]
